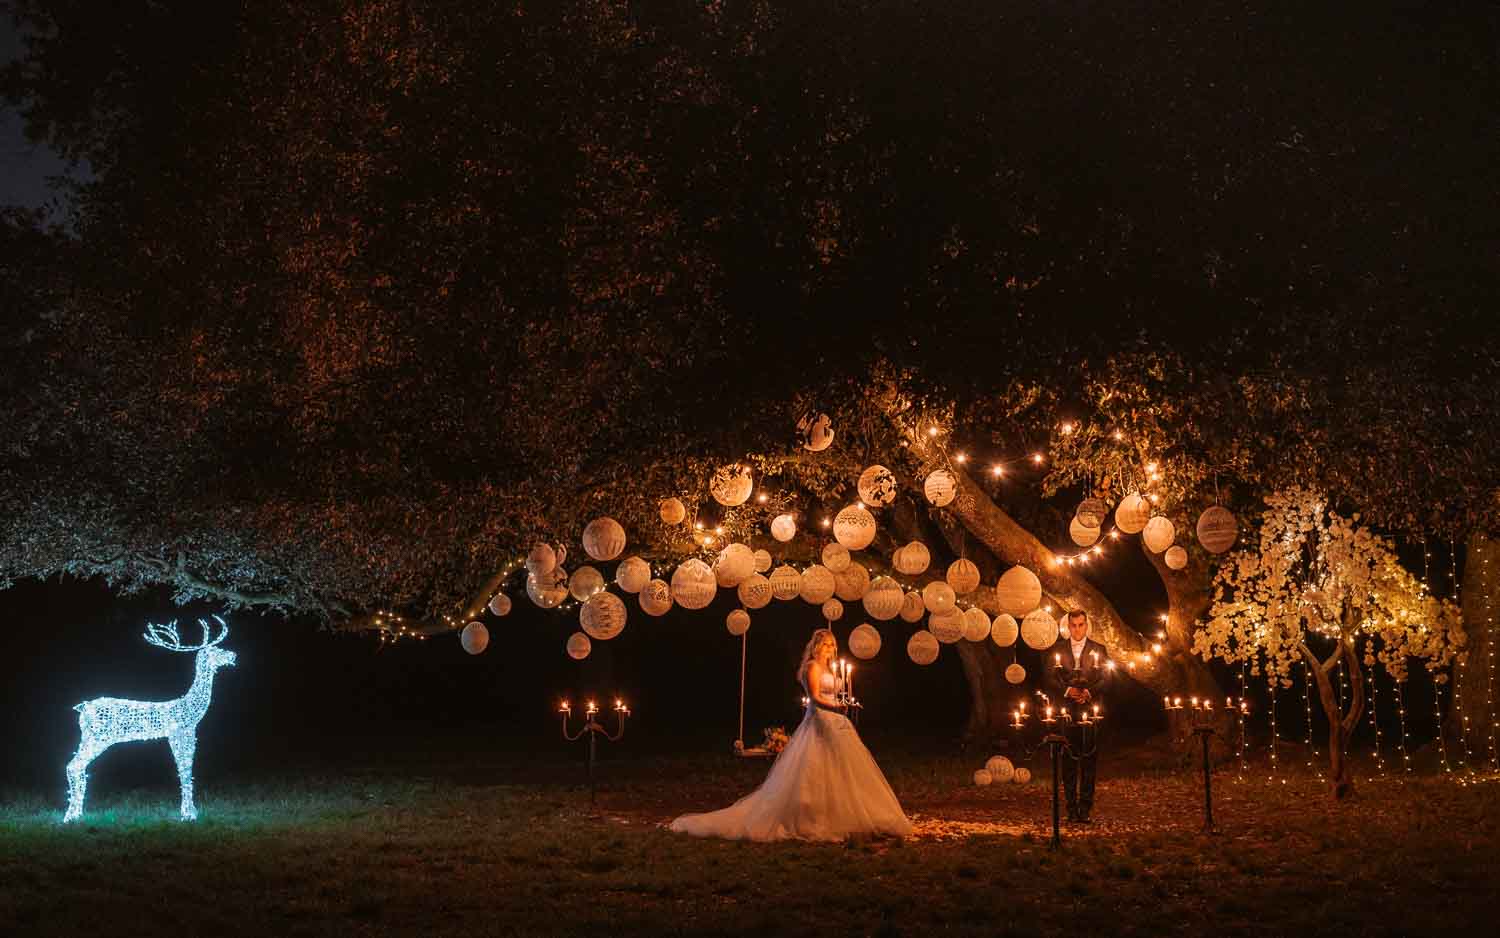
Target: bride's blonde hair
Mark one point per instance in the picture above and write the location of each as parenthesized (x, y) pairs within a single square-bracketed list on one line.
[(818, 636)]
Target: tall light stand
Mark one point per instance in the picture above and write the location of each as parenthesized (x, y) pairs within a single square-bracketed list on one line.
[(594, 730)]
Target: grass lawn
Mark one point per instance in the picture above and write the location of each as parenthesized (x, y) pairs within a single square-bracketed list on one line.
[(494, 846)]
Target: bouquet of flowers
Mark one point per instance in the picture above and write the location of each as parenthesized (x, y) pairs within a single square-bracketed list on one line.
[(776, 738)]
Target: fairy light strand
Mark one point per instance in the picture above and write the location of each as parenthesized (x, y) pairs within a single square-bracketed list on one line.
[(1401, 715), (1374, 713), (1312, 748)]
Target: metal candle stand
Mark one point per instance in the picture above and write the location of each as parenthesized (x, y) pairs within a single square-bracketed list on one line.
[(1201, 719), (594, 730), (1056, 720)]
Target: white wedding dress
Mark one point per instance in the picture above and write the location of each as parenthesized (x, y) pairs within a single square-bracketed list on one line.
[(824, 785)]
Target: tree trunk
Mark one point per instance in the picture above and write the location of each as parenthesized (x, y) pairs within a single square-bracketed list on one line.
[(1473, 715), (1340, 725)]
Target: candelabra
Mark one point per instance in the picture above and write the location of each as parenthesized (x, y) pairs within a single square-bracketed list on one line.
[(593, 729), (1055, 721), (1201, 716)]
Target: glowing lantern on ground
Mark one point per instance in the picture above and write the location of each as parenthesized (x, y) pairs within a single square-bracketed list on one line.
[(833, 610), (734, 563), (579, 646), (602, 616), (1132, 514), (786, 582), (940, 487), (1039, 630), (818, 584), (603, 539), (1005, 630), (816, 432), (1217, 530), (850, 585), (922, 647), (854, 528), (783, 528), (474, 638), (693, 584), (883, 599), (1000, 768), (976, 624), (877, 486), (754, 591), (864, 641), (672, 511), (937, 596), (1015, 673), (500, 604), (912, 559), (1023, 775), (656, 598), (731, 485), (632, 574), (947, 626), (1081, 535), (1159, 534), (912, 607), (1176, 558), (836, 557), (963, 576), (585, 582), (1018, 592), (982, 778), (738, 622)]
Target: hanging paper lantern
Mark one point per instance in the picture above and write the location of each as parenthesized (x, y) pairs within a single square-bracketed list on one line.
[(1000, 768), (1023, 775), (864, 641), (693, 584), (1091, 512), (786, 582), (963, 576), (1015, 673), (937, 596), (585, 582), (656, 598), (1018, 592), (816, 432), (603, 539), (940, 487), (836, 557), (833, 610), (1039, 630), (1217, 529), (754, 591), (850, 585), (731, 485), (632, 574), (738, 622), (922, 647), (982, 778), (500, 604), (474, 638), (912, 559), (1159, 534), (1175, 557), (1005, 630), (854, 528), (877, 486), (762, 561), (818, 584), (579, 646), (883, 599), (672, 511), (976, 624), (783, 528), (541, 560), (947, 626), (734, 563), (548, 590), (1132, 514), (602, 616), (912, 607), (1082, 536)]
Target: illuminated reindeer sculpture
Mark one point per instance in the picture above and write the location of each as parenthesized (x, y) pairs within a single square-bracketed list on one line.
[(105, 721)]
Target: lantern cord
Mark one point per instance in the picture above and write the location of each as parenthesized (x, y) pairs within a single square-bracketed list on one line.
[(744, 642)]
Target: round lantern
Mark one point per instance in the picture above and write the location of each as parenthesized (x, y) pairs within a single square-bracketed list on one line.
[(883, 599), (1023, 775), (541, 560), (940, 487), (1018, 592), (693, 584), (833, 610), (982, 778), (864, 641), (731, 485), (816, 431), (1015, 673), (937, 596), (1175, 557), (947, 626), (877, 486), (1159, 534), (500, 604), (1217, 529), (852, 583), (836, 557), (762, 561), (786, 582), (579, 646), (603, 539), (922, 647), (1005, 630), (1132, 514), (474, 638), (854, 528), (912, 607), (738, 622), (656, 598), (976, 624), (1081, 534), (1000, 768), (818, 584), (1091, 512), (963, 576), (602, 617), (585, 582), (912, 559), (783, 528), (734, 563), (548, 590), (1039, 630), (754, 591), (632, 574), (672, 511)]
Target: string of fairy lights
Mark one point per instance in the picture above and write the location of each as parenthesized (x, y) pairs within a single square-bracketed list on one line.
[(1374, 716)]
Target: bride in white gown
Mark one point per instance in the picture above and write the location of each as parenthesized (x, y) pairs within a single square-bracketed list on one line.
[(824, 785)]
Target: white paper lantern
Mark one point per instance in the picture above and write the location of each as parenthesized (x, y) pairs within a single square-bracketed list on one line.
[(656, 598), (548, 590), (754, 591), (693, 584), (734, 563), (850, 585), (1091, 512), (976, 624), (1015, 673), (500, 604), (1023, 775), (474, 638), (836, 557), (1005, 630), (579, 646), (632, 574), (603, 539), (1039, 630), (731, 485), (786, 582), (818, 584), (963, 576), (982, 778), (816, 432), (912, 607), (1082, 535), (762, 561), (602, 617), (541, 560), (1000, 768), (738, 622), (1018, 592), (877, 486), (783, 528), (1132, 514), (1217, 529), (1176, 558), (883, 599), (864, 641), (940, 487), (912, 559), (1159, 534), (922, 647), (672, 511), (937, 596), (947, 626), (833, 610), (585, 582), (854, 528)]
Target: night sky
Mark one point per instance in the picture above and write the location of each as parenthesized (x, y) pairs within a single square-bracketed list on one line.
[(24, 166)]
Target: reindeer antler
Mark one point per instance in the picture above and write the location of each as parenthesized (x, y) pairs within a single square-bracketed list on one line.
[(165, 636)]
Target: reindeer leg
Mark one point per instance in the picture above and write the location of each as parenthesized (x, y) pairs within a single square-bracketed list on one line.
[(78, 780), (184, 744)]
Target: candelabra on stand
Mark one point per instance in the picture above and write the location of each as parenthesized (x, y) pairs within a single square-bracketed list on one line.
[(1201, 716), (1055, 721), (593, 729)]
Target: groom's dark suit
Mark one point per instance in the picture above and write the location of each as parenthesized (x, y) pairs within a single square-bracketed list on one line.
[(1079, 774)]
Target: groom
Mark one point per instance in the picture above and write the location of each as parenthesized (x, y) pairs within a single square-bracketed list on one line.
[(1076, 677)]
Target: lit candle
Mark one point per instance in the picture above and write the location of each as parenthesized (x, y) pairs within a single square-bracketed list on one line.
[(1167, 702), (1057, 658), (1094, 657), (565, 708), (849, 679), (1023, 706), (1096, 711), (1228, 703), (1179, 701)]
